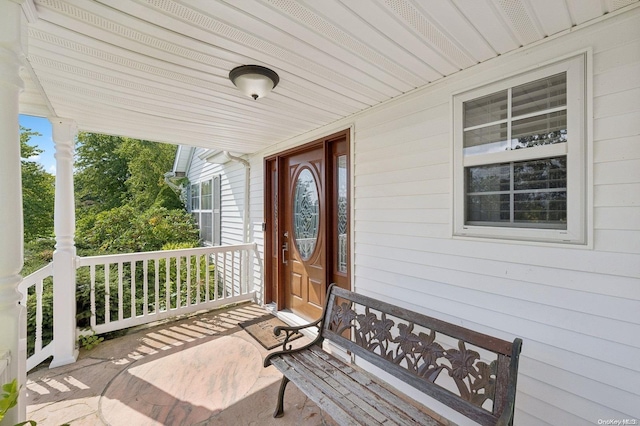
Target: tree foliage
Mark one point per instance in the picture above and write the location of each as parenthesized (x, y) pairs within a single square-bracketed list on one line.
[(101, 173), (113, 171), (38, 193), (168, 199), (127, 230), (124, 205), (147, 164)]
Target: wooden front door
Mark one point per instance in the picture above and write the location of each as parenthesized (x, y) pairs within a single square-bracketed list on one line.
[(307, 208), (303, 239)]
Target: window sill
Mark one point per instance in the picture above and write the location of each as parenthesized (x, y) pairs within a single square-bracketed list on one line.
[(538, 237)]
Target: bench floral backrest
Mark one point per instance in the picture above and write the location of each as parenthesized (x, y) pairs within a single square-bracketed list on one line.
[(468, 371)]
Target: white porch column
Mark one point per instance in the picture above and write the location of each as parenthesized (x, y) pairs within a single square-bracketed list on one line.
[(64, 257), (11, 237)]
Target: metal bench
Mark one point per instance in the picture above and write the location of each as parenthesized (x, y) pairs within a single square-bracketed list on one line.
[(473, 373)]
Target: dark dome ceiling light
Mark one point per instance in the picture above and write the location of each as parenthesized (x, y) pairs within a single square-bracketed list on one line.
[(254, 80)]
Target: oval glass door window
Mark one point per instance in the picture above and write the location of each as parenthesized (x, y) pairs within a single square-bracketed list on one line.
[(306, 214)]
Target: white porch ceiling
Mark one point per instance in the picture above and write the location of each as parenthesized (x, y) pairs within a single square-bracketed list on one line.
[(158, 69)]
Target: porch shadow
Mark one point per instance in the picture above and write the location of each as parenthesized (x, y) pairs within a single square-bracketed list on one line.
[(194, 371)]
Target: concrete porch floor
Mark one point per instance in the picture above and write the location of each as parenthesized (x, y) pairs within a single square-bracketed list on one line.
[(200, 370)]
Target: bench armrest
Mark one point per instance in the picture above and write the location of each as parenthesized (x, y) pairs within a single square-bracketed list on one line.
[(506, 419), (290, 332)]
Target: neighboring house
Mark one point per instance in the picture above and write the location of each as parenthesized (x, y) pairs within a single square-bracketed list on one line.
[(534, 236), (203, 202), (208, 178)]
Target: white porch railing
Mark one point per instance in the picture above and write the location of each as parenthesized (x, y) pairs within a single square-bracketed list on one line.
[(32, 289), (137, 288), (125, 290)]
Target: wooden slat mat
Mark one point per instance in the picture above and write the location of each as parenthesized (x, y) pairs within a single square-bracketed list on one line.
[(261, 329)]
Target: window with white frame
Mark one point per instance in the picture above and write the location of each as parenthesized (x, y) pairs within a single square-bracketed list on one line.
[(519, 156), (204, 206)]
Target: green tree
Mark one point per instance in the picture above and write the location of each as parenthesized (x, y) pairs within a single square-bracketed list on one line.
[(101, 173), (147, 164), (38, 192), (124, 205), (114, 171), (168, 199)]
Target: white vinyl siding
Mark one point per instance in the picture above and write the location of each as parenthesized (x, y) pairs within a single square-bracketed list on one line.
[(575, 306)]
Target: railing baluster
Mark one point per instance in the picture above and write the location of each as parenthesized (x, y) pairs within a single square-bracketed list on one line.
[(145, 287), (240, 272), (220, 274), (39, 288), (207, 284), (247, 275), (226, 277), (234, 256), (132, 285), (120, 292), (107, 293), (228, 274), (197, 280), (157, 285), (92, 295), (187, 259), (167, 284), (178, 282), (216, 277)]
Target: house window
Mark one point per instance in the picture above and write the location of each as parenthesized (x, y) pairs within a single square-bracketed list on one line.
[(520, 156), (194, 202), (205, 208)]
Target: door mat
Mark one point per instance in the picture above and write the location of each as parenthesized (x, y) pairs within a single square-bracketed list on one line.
[(261, 329)]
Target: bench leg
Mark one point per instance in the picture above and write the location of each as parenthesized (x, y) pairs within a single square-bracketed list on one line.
[(280, 406)]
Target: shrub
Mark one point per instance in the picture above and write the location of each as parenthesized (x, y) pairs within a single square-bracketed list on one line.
[(126, 230), (37, 254)]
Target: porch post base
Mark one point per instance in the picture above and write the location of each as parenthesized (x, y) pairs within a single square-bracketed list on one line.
[(59, 361)]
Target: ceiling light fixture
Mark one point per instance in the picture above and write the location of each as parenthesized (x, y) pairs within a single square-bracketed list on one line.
[(254, 80)]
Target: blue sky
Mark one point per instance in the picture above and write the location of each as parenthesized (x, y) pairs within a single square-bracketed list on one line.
[(44, 142)]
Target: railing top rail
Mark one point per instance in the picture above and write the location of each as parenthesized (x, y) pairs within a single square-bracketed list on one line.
[(160, 254), (33, 277)]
